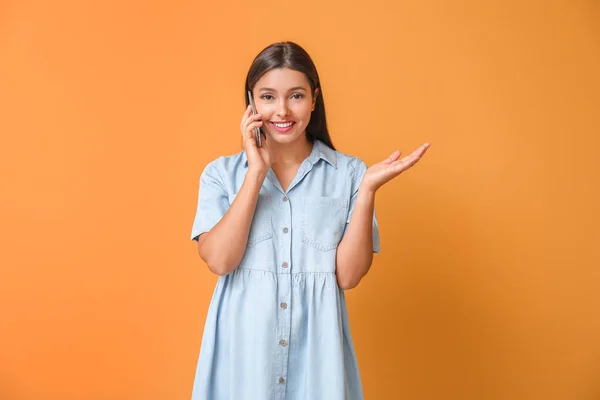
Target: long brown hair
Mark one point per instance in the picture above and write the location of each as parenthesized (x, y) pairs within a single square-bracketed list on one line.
[(291, 55)]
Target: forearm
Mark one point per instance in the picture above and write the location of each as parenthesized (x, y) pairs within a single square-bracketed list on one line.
[(223, 247), (355, 251)]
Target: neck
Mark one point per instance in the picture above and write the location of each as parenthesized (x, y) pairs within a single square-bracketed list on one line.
[(290, 153)]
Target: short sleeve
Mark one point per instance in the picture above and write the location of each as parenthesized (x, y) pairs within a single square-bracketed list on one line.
[(358, 172), (213, 201)]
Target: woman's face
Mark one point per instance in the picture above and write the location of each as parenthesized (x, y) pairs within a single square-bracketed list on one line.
[(283, 96)]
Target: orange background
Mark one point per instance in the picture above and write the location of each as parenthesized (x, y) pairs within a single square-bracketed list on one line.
[(488, 284)]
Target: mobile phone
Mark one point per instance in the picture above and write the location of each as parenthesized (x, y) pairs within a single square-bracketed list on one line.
[(256, 130)]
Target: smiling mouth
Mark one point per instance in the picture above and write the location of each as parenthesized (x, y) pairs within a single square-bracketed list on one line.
[(283, 127)]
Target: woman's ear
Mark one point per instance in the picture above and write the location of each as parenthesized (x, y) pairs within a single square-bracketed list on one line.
[(315, 98)]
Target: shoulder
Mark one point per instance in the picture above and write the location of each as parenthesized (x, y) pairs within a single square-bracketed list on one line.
[(350, 164), (221, 171), (226, 164), (351, 168)]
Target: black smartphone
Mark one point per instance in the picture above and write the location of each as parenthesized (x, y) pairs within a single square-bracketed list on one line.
[(257, 132)]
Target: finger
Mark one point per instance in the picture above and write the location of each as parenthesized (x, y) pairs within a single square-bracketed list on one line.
[(246, 123), (418, 153), (254, 124), (247, 112), (245, 116), (424, 147), (408, 161), (246, 126), (253, 118), (399, 166), (250, 128), (393, 157), (421, 150)]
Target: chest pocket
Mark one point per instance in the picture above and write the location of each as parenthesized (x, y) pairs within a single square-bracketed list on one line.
[(322, 221), (261, 227)]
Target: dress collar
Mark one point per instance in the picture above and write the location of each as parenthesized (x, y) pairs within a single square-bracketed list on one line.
[(319, 151)]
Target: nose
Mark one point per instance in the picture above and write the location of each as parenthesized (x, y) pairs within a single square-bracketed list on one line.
[(282, 108)]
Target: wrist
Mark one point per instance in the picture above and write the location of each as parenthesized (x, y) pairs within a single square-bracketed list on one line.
[(366, 191), (256, 175)]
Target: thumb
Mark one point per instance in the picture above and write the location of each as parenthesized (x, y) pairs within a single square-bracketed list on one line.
[(393, 157)]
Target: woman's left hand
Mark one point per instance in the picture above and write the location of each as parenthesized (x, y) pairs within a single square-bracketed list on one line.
[(382, 172)]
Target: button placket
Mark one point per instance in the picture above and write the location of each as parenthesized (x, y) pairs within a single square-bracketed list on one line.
[(284, 278)]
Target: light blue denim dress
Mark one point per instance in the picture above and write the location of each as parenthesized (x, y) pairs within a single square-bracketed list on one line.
[(277, 325)]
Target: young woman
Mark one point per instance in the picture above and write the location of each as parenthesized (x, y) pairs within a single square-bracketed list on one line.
[(288, 227)]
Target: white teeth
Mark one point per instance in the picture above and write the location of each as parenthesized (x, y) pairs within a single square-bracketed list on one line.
[(283, 125)]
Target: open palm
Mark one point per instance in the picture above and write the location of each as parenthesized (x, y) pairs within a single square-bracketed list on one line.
[(382, 172)]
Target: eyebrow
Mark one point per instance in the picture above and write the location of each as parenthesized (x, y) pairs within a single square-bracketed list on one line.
[(273, 90)]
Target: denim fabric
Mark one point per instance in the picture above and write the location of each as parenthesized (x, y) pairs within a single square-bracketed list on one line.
[(277, 326)]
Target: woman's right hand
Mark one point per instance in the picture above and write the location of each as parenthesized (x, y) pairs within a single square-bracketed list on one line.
[(258, 157)]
